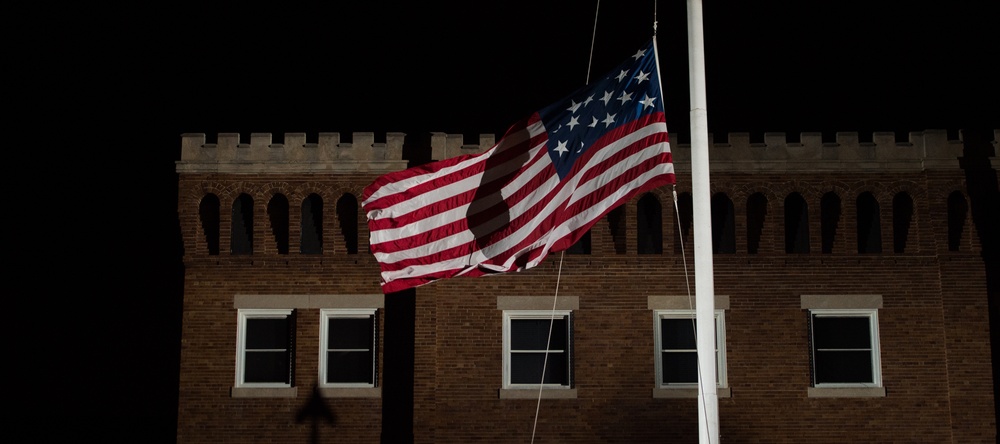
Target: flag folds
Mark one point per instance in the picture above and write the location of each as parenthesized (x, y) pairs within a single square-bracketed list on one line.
[(547, 181)]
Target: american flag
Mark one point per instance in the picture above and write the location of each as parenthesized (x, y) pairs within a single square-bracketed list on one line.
[(547, 181)]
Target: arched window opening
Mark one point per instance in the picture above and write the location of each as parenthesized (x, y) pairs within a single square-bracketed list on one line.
[(208, 210), (756, 212), (277, 213), (347, 215), (723, 225), (830, 219), (311, 239), (685, 206), (902, 217), (796, 224), (649, 225), (241, 234), (869, 227), (958, 209), (581, 246), (616, 223)]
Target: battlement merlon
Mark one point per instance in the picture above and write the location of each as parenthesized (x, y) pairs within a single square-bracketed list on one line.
[(924, 150), (328, 154)]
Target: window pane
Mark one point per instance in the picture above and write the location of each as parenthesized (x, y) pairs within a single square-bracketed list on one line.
[(526, 368), (678, 334), (353, 333), (267, 334), (841, 333), (533, 334), (843, 366), (349, 367), (680, 367), (271, 366)]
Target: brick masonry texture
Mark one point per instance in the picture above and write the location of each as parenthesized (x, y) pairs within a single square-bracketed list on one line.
[(933, 326)]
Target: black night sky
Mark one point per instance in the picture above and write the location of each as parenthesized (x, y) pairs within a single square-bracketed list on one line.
[(108, 90)]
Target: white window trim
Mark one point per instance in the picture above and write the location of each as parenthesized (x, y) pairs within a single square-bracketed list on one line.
[(720, 348), (872, 315), (324, 316), (508, 315), (241, 335)]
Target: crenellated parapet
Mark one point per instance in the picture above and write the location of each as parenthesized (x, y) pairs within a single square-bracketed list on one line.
[(231, 155), (923, 150)]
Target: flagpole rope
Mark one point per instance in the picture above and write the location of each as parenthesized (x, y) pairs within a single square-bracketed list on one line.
[(562, 255), (687, 283)]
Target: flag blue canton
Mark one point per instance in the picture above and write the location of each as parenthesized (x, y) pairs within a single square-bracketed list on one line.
[(575, 123)]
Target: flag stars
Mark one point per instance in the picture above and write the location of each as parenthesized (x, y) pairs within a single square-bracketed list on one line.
[(572, 122), (590, 98), (625, 97), (609, 120), (642, 76), (594, 123), (622, 75), (647, 101), (561, 148), (607, 97), (638, 55), (573, 107)]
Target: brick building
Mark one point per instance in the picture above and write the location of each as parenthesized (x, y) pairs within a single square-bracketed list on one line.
[(851, 298)]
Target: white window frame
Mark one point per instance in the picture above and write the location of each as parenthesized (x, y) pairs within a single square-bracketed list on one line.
[(508, 316), (720, 347), (358, 313), (241, 335), (872, 315)]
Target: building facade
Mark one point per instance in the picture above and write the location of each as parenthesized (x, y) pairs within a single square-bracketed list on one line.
[(851, 303)]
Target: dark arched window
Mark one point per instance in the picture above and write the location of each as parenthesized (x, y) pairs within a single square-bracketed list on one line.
[(756, 212), (208, 210), (958, 210), (869, 227), (829, 220), (277, 214), (347, 215), (311, 239), (241, 233), (902, 216), (581, 246), (723, 224), (796, 224), (649, 225), (616, 224), (685, 206)]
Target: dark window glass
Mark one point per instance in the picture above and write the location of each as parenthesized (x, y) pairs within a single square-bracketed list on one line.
[(528, 340), (350, 355), (268, 350), (842, 349), (679, 352)]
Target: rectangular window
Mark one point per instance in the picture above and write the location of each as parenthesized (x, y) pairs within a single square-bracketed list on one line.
[(677, 348), (537, 343), (845, 348), (348, 347), (265, 348)]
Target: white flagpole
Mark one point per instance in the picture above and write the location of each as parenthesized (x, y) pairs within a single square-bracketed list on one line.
[(708, 399)]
